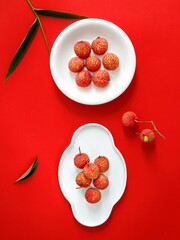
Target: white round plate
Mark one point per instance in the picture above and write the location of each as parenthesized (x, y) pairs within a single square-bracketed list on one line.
[(95, 140), (87, 30)]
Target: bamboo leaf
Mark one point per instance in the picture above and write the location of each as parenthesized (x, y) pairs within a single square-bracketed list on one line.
[(30, 171), (57, 14), (22, 48)]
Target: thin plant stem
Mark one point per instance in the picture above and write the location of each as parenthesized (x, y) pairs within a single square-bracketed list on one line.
[(153, 124), (79, 150), (40, 24)]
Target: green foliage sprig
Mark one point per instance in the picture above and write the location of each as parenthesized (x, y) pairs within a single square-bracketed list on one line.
[(32, 31), (29, 171)]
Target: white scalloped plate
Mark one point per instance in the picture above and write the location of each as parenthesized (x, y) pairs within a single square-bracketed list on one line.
[(95, 140), (89, 29)]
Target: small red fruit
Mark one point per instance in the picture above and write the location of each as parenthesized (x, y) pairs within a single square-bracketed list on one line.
[(101, 78), (93, 63), (101, 182), (76, 64), (93, 195), (110, 61), (82, 49), (99, 45), (102, 162), (81, 159), (83, 78), (91, 170), (129, 119), (147, 135), (82, 181)]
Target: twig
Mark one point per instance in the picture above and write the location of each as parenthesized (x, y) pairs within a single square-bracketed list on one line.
[(153, 124), (40, 24)]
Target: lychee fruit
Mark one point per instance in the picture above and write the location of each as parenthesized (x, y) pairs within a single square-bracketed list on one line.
[(110, 61), (82, 181), (93, 63), (99, 45), (101, 182), (76, 64), (91, 170), (81, 159), (147, 135), (129, 119), (93, 195), (101, 78), (102, 162), (82, 49), (83, 78)]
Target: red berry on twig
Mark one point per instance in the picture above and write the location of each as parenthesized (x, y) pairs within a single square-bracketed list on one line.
[(128, 119), (147, 135)]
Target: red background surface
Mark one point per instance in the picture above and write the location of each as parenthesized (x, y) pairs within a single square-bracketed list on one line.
[(37, 119)]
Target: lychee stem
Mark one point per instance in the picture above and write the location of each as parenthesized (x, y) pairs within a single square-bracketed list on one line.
[(79, 150), (153, 124)]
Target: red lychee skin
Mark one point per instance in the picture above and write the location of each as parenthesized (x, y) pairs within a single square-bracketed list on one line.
[(147, 135), (93, 63), (128, 119), (99, 45), (82, 181), (110, 61), (80, 160), (83, 78), (76, 64), (82, 49), (102, 162), (101, 78), (91, 170), (102, 182), (93, 195)]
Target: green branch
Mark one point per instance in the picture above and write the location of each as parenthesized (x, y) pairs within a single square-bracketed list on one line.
[(40, 24)]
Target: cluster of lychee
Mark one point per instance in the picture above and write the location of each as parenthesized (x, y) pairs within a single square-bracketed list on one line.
[(83, 58), (147, 135), (92, 173)]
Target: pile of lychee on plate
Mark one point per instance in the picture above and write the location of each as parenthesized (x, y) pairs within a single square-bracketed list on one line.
[(88, 67), (91, 175)]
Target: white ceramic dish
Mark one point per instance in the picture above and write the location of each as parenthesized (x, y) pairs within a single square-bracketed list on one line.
[(89, 29), (95, 140)]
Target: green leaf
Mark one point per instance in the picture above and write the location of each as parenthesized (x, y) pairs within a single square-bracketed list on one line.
[(57, 14), (22, 48), (29, 172)]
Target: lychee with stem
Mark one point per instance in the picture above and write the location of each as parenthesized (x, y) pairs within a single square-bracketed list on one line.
[(99, 45), (102, 162), (81, 159), (82, 181), (110, 61), (93, 195), (101, 78), (82, 49), (129, 119), (102, 182), (83, 78), (147, 135), (91, 170)]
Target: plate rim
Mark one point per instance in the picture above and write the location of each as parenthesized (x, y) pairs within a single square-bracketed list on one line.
[(78, 24), (61, 162)]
